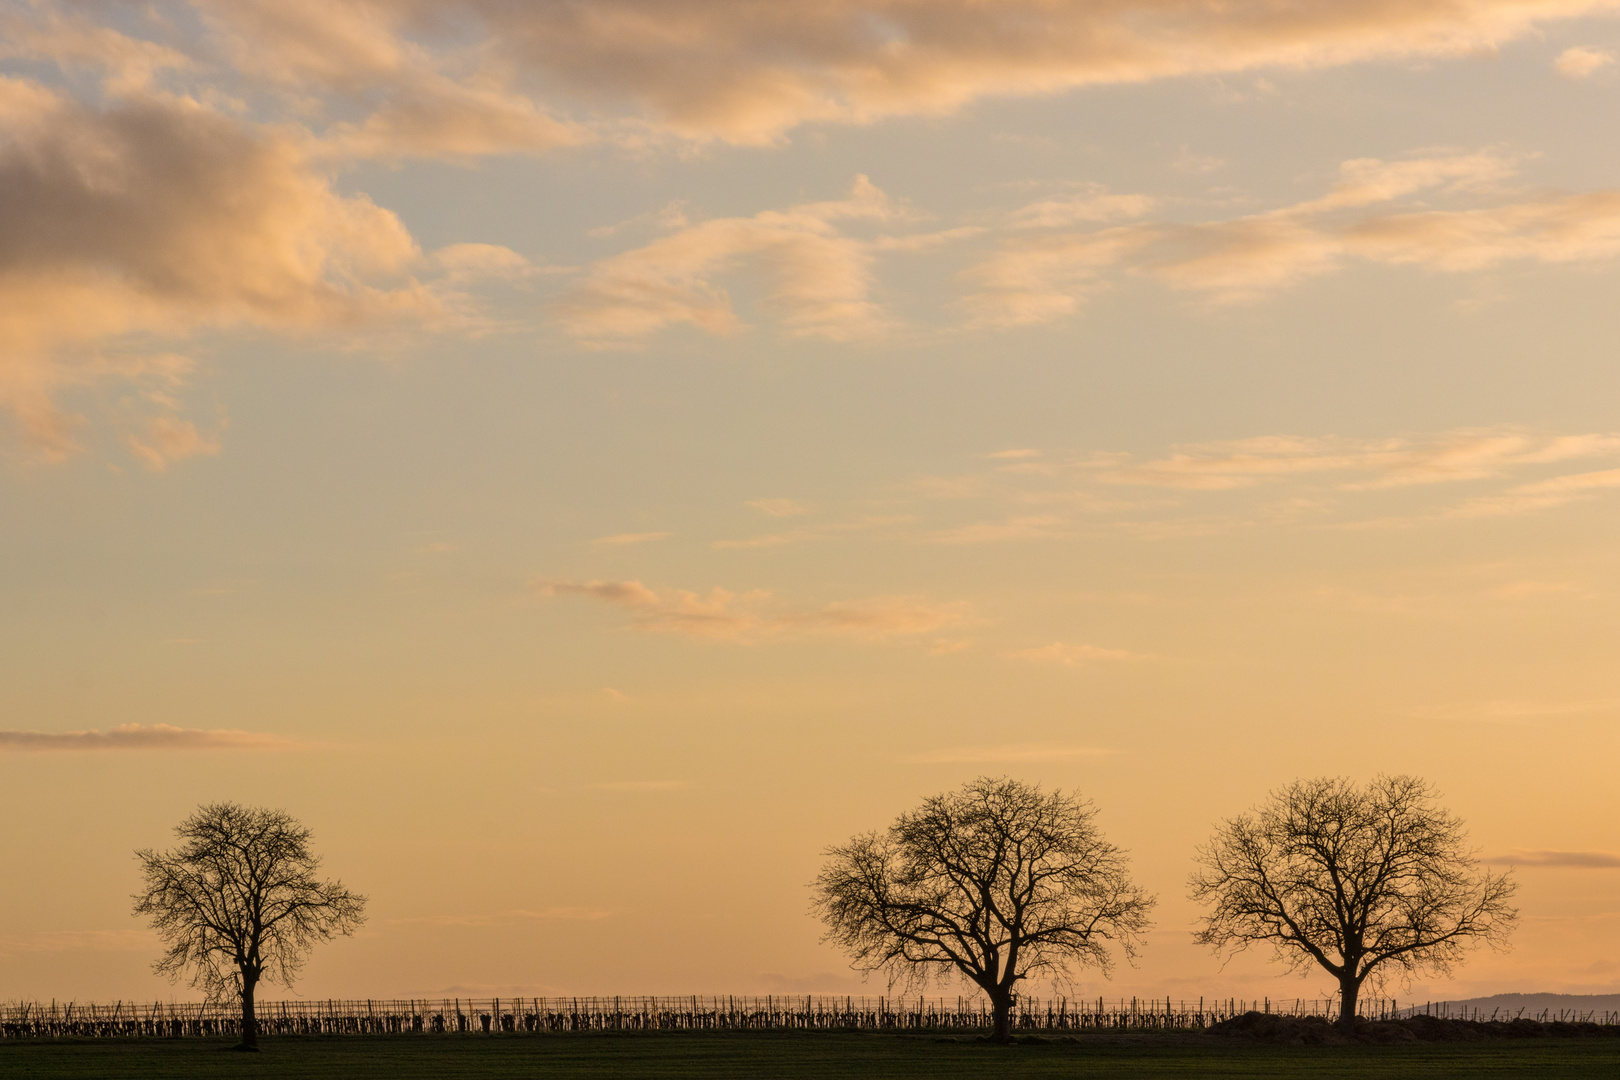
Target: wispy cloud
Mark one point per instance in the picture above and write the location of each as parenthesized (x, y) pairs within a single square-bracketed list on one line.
[(1379, 211), (1582, 860), (1060, 653), (1273, 481), (361, 57), (635, 786), (632, 538), (1540, 495), (1466, 454), (1028, 527), (52, 941), (465, 262), (828, 531), (1006, 754), (821, 982), (143, 737), (1043, 279), (1500, 711), (166, 439), (562, 914), (779, 508), (583, 914), (717, 69), (1093, 203), (213, 214), (752, 616), (821, 279), (1582, 63)]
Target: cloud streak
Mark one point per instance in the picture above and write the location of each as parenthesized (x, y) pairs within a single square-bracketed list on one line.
[(1520, 710), (142, 737), (1027, 527), (1541, 495), (727, 616), (564, 914), (620, 539), (1071, 655), (820, 280), (1579, 860), (749, 73), (809, 533), (1447, 457), (1276, 481), (53, 941), (640, 786), (1042, 278), (779, 508), (1006, 754), (418, 100)]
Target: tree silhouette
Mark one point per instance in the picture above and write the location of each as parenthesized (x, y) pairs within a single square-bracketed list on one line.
[(997, 881), (1352, 879), (239, 900)]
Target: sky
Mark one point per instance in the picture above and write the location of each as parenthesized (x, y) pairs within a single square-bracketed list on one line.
[(584, 461)]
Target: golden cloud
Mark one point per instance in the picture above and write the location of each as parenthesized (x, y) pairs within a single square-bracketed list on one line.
[(750, 616), (1046, 277), (1541, 495), (157, 215), (488, 76), (1069, 655), (820, 278), (1582, 63), (746, 72), (322, 54), (1322, 481), (631, 538), (1467, 454)]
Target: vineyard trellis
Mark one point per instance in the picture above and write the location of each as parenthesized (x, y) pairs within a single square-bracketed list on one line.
[(553, 1015)]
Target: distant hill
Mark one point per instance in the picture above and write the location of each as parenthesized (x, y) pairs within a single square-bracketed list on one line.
[(1531, 1005)]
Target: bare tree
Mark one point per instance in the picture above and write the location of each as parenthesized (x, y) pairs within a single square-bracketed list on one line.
[(1360, 881), (997, 882), (239, 900)]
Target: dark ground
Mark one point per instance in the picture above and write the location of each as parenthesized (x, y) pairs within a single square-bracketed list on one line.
[(756, 1056)]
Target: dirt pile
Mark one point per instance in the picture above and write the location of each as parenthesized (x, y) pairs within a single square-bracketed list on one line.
[(1315, 1030)]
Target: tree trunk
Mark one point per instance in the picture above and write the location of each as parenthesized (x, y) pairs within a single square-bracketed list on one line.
[(1001, 1003), (1349, 992), (250, 1018)]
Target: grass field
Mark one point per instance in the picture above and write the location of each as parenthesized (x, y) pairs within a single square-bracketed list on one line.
[(792, 1056)]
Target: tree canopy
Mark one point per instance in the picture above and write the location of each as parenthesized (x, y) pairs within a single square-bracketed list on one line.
[(239, 900), (1355, 880), (997, 882)]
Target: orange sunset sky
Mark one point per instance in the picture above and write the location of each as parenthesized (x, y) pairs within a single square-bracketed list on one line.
[(585, 459)]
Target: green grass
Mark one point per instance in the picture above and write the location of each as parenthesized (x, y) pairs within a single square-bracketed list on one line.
[(789, 1057)]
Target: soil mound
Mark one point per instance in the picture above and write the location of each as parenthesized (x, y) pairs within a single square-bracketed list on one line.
[(1315, 1030), (1273, 1028)]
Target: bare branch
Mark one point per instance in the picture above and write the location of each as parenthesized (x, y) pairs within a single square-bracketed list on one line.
[(239, 900), (1354, 880), (997, 882)]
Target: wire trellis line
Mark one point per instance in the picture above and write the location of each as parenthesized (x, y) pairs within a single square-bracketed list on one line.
[(557, 1015)]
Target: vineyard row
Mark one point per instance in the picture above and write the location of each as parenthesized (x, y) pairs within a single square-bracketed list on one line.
[(548, 1015)]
